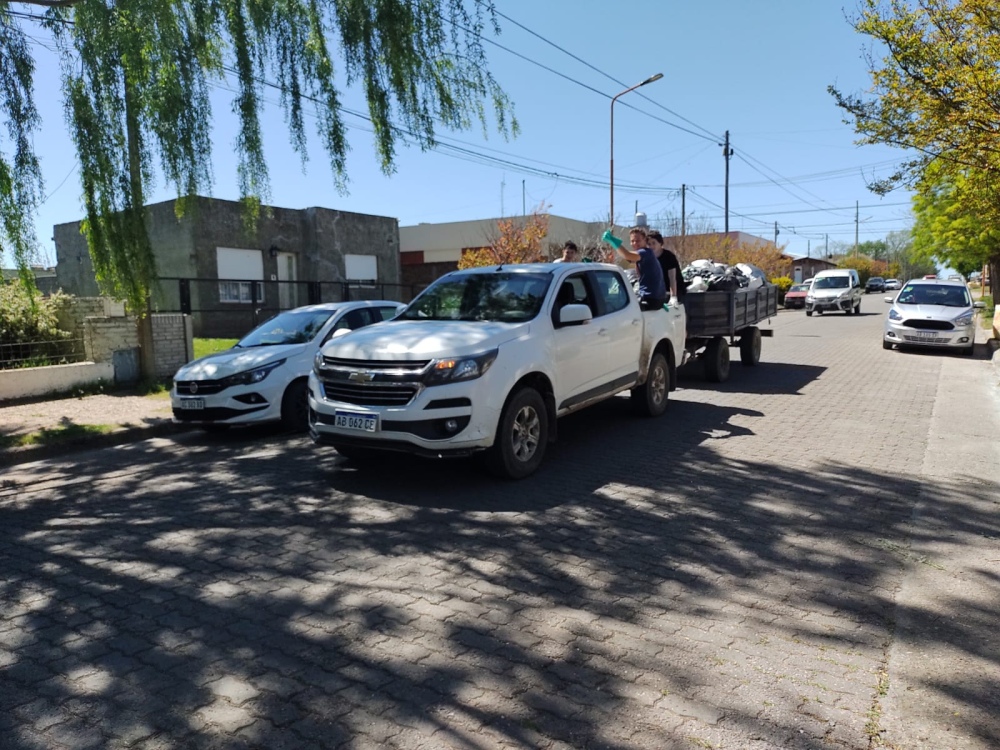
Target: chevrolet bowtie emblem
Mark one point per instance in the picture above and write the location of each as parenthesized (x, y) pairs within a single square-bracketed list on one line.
[(361, 376)]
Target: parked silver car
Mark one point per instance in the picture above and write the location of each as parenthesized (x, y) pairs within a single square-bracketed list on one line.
[(932, 312)]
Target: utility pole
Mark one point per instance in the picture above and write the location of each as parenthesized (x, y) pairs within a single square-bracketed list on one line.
[(524, 210), (776, 233), (808, 249), (826, 246), (683, 210), (727, 153), (856, 229)]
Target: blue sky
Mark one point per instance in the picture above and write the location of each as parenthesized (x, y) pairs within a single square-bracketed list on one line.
[(758, 69)]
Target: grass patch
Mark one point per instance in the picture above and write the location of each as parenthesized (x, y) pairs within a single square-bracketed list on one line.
[(208, 346), (986, 315), (56, 435)]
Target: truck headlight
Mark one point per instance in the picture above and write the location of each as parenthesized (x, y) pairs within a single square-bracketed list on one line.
[(462, 368), (318, 361)]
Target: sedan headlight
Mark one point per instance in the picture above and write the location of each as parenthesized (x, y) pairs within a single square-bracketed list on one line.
[(463, 368), (249, 377), (894, 315), (964, 319)]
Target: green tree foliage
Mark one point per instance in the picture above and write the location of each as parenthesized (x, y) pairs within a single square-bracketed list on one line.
[(874, 249), (937, 90), (20, 175), (948, 229), (136, 79)]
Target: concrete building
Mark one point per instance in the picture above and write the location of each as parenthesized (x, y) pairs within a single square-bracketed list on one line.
[(227, 278)]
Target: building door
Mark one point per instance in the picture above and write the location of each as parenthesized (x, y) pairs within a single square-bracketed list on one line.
[(287, 288), (797, 275)]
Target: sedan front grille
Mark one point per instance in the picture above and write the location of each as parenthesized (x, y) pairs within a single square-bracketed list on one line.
[(198, 387), (929, 325)]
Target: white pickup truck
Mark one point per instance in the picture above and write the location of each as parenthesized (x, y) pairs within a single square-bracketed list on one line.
[(486, 359)]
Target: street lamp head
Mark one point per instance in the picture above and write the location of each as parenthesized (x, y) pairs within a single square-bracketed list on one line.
[(656, 77)]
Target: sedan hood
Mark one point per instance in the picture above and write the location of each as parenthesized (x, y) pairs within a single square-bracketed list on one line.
[(223, 364), (418, 340), (931, 312)]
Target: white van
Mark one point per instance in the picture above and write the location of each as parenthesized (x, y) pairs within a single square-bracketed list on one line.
[(836, 289)]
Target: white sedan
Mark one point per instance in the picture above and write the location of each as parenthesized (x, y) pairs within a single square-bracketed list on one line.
[(263, 378), (932, 313)]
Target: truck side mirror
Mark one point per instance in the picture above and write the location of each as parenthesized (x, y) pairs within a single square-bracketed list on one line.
[(574, 315)]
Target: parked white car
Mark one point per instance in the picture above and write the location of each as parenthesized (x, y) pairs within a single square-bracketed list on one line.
[(934, 313), (263, 378)]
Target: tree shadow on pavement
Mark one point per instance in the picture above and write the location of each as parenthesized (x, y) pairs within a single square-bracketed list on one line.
[(642, 590)]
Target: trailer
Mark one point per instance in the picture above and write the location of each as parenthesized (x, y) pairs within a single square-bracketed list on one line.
[(718, 320)]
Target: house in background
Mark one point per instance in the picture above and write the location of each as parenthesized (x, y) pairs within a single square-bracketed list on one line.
[(45, 278), (800, 269), (229, 279), (429, 251)]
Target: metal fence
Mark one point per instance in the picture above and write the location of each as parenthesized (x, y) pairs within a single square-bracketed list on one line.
[(229, 308), (41, 353)]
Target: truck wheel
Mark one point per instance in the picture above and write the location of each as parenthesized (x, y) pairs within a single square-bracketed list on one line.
[(650, 398), (750, 346), (295, 406), (717, 360), (857, 308), (521, 437), (809, 313)]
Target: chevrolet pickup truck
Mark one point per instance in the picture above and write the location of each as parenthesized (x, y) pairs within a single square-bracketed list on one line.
[(486, 360)]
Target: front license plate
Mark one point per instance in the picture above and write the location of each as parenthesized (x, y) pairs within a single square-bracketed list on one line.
[(192, 403), (927, 334), (352, 420)]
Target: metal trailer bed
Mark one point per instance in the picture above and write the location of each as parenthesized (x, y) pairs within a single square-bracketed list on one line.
[(716, 319)]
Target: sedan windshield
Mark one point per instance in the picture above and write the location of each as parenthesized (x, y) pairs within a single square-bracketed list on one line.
[(800, 288), (292, 327), (934, 294), (499, 296), (831, 282)]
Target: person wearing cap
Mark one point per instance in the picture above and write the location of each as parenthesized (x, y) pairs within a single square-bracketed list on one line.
[(670, 266), (651, 289), (570, 253)]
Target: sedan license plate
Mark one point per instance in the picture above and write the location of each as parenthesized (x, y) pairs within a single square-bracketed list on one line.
[(352, 420), (192, 403), (926, 334)]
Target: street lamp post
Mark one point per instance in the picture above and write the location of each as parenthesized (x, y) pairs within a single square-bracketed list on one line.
[(656, 77)]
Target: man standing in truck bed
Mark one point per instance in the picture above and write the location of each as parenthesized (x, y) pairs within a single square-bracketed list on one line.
[(651, 289)]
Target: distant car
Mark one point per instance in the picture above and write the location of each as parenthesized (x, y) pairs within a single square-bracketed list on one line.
[(796, 295), (891, 284), (933, 313), (875, 284), (263, 378)]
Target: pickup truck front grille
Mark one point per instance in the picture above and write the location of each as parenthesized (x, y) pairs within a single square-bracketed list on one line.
[(370, 394), (377, 365)]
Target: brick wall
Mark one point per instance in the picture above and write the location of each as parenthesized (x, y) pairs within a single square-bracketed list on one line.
[(174, 343), (104, 336)]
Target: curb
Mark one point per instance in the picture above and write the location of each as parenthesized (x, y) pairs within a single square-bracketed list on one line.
[(25, 454)]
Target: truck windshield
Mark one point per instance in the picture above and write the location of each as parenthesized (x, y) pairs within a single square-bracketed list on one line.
[(499, 296)]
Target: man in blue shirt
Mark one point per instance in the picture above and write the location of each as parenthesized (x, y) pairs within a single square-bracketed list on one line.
[(652, 290)]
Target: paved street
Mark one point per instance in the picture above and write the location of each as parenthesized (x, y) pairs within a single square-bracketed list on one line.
[(805, 557)]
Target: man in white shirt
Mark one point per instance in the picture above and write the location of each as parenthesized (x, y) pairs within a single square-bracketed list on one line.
[(570, 253)]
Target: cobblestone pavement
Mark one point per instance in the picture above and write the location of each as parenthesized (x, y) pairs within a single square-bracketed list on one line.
[(804, 557)]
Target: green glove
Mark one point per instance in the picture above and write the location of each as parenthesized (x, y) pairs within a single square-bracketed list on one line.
[(615, 242)]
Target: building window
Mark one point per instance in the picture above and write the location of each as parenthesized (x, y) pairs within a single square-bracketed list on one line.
[(238, 269), (361, 268)]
